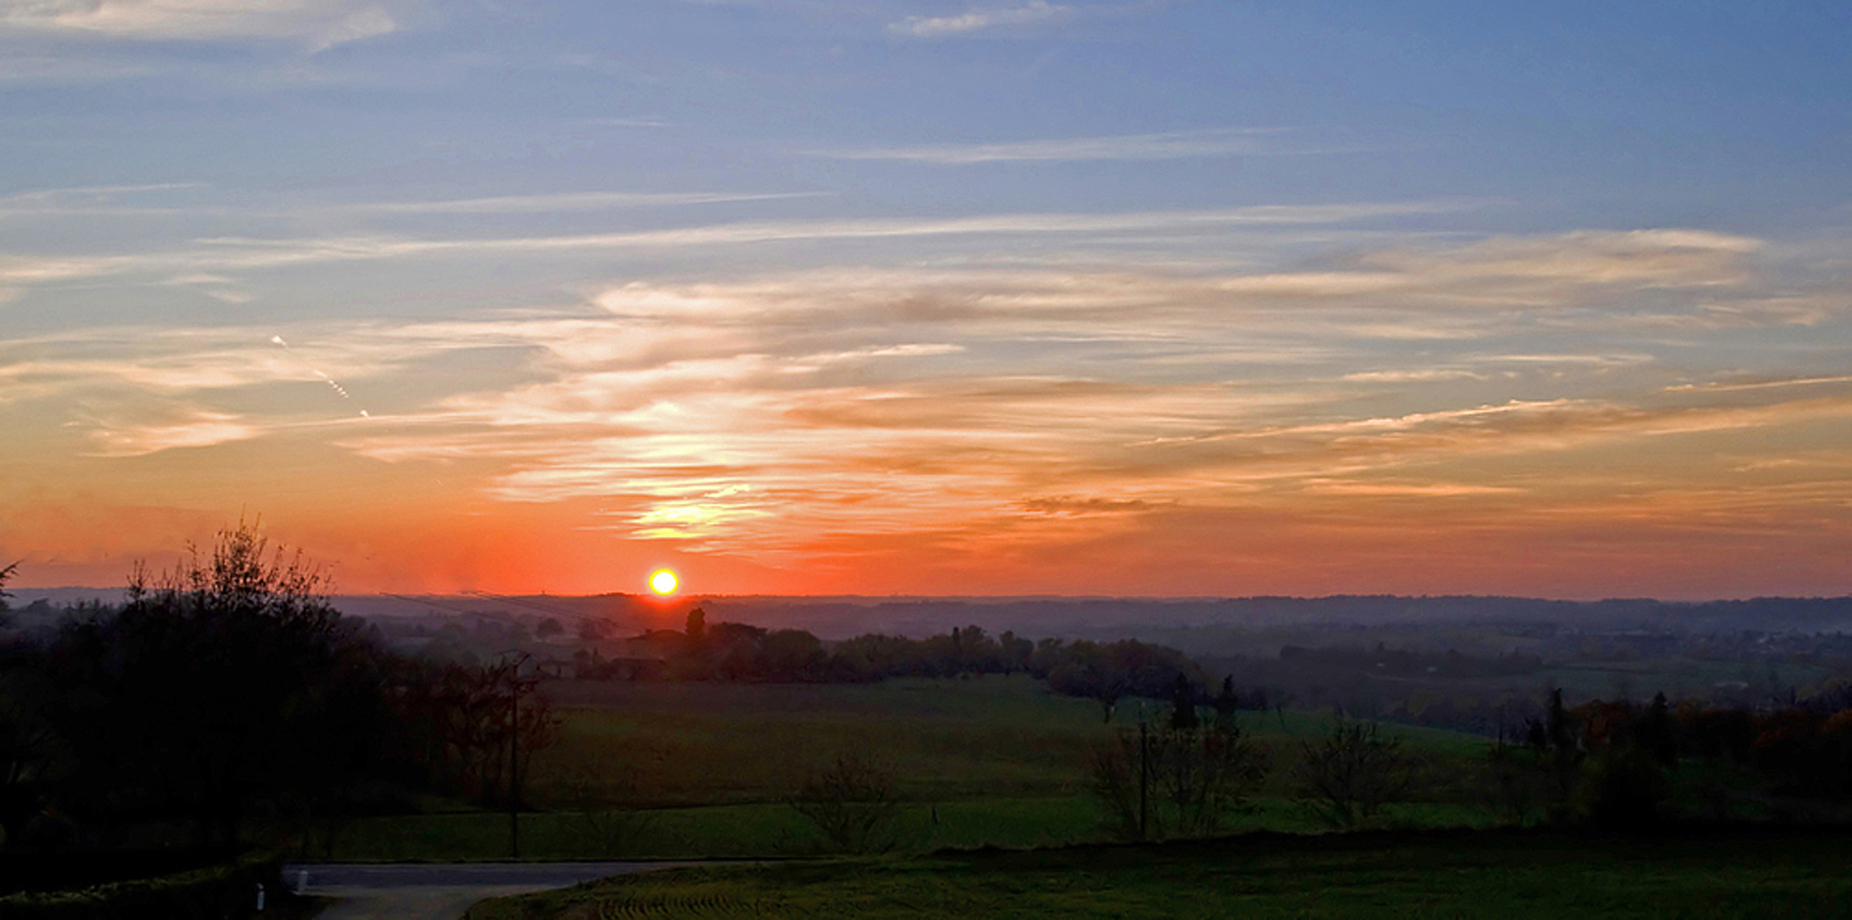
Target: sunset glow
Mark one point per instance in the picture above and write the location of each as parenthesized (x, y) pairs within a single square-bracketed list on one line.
[(909, 297)]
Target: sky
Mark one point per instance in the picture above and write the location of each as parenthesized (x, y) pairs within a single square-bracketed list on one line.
[(941, 297)]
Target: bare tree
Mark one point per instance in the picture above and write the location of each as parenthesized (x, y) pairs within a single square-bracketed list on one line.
[(607, 822), (852, 802), (6, 574), (1177, 781), (1347, 778), (477, 712)]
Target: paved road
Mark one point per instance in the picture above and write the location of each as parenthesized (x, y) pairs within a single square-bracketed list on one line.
[(439, 892)]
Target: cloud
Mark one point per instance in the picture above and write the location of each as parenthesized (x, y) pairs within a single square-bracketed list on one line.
[(1086, 506), (569, 201), (320, 24), (1648, 258), (197, 429), (753, 415), (979, 20), (1173, 145), (67, 67), (91, 194), (1419, 375), (618, 122), (224, 254), (1520, 427), (1763, 384), (1403, 489)]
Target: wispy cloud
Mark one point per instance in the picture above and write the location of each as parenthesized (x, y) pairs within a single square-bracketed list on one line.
[(752, 416), (199, 429), (1763, 384), (92, 199), (622, 122), (318, 23), (980, 20), (135, 200), (235, 253), (568, 201), (1418, 375), (1170, 145)]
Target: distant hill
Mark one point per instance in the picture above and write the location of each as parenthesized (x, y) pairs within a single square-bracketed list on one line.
[(1091, 617), (1118, 617)]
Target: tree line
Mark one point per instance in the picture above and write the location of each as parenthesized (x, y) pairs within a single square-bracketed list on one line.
[(1106, 672), (1626, 764)]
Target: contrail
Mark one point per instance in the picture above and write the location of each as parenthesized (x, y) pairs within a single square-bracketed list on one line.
[(337, 387), (325, 378)]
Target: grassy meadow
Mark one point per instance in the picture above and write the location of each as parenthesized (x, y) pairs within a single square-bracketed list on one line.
[(1509, 874), (704, 769)]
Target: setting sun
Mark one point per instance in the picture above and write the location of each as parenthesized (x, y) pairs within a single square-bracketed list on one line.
[(662, 582)]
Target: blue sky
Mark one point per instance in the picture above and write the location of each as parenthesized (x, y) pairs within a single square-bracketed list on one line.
[(940, 297)]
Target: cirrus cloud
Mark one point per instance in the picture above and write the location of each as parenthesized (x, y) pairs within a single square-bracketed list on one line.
[(318, 23), (979, 20)]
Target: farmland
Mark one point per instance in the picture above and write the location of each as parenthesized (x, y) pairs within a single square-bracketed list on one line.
[(705, 769), (1396, 874)]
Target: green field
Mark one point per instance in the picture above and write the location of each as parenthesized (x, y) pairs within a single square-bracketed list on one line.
[(1506, 874), (704, 769), (657, 744), (775, 830)]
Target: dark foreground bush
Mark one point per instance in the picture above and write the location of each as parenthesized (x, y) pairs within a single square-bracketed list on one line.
[(206, 894)]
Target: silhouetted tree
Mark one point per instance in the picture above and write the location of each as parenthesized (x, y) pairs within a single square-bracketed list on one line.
[(6, 575), (223, 681), (1517, 783), (1015, 652), (1347, 778), (1227, 702), (27, 742), (472, 714), (1182, 705), (1655, 732)]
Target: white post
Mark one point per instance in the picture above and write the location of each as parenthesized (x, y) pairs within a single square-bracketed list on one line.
[(260, 897)]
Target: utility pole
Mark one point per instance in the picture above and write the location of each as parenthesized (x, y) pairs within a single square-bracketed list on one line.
[(514, 764), (1144, 779), (514, 755)]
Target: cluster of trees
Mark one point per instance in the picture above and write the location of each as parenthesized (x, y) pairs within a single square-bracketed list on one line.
[(1187, 776), (470, 731), (1617, 765), (1104, 672), (226, 688), (1183, 778), (1614, 763)]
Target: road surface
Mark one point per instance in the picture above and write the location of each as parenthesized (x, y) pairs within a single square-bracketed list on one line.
[(439, 891)]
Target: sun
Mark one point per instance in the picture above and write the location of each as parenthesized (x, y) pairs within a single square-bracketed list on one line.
[(662, 581)]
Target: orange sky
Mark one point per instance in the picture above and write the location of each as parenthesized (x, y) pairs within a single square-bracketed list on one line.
[(797, 436)]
